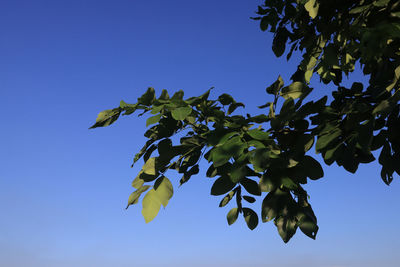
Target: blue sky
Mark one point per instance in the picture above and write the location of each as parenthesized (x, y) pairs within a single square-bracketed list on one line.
[(63, 188)]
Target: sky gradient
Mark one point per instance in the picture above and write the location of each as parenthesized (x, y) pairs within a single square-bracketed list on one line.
[(63, 188)]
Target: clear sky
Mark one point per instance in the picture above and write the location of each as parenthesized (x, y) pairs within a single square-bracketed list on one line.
[(63, 188)]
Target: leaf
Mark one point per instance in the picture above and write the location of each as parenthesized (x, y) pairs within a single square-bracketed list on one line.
[(147, 98), (325, 140), (286, 227), (294, 90), (251, 218), (258, 134), (268, 208), (251, 186), (153, 119), (128, 108), (312, 168), (143, 150), (137, 182), (222, 186), (233, 107), (150, 166), (312, 7), (288, 183), (178, 95), (266, 184), (194, 170), (279, 42), (106, 117), (309, 227), (232, 216), (249, 199), (226, 99), (233, 147), (181, 113), (227, 198), (275, 87), (237, 172), (359, 9), (134, 197), (151, 205), (164, 95), (164, 190)]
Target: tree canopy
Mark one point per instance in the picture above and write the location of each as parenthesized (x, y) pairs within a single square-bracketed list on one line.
[(269, 154)]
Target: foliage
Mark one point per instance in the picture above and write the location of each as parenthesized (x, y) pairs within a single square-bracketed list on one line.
[(268, 153)]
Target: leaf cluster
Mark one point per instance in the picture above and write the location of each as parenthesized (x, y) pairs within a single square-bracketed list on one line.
[(268, 155)]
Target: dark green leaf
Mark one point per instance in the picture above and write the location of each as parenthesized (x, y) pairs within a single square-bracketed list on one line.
[(286, 227), (106, 117), (275, 87), (312, 168), (249, 199), (147, 98), (251, 186), (227, 198), (251, 218), (232, 216), (226, 99), (233, 107), (222, 186), (325, 140)]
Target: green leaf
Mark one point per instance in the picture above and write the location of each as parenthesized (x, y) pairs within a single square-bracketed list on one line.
[(325, 140), (258, 135), (222, 186), (147, 98), (181, 113), (359, 9), (227, 198), (249, 199), (153, 119), (106, 117), (164, 190), (137, 182), (279, 42), (295, 90), (234, 106), (312, 168), (286, 227), (312, 7), (151, 205), (251, 218), (150, 166), (178, 95), (309, 227), (233, 147), (251, 186), (266, 183), (268, 208), (134, 197), (128, 108), (275, 87), (232, 216), (238, 172), (164, 95), (288, 183), (194, 170), (226, 99)]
